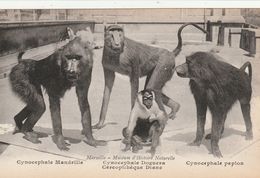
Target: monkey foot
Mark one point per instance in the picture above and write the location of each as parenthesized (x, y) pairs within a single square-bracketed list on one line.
[(175, 109), (195, 143), (31, 137), (95, 143), (208, 136), (127, 147), (18, 123), (83, 132), (98, 126), (249, 135), (217, 153), (16, 130), (62, 146), (172, 115), (60, 142), (126, 141), (152, 151), (136, 148)]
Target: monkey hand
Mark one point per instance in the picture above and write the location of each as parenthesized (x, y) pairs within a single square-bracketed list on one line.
[(60, 142), (175, 109), (136, 148), (136, 144), (196, 142), (127, 147), (127, 141), (152, 151), (172, 115), (98, 126)]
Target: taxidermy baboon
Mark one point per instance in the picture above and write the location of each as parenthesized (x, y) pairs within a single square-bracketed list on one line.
[(67, 67), (134, 59), (217, 85)]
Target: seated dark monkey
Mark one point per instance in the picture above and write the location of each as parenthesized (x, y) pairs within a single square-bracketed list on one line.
[(142, 134)]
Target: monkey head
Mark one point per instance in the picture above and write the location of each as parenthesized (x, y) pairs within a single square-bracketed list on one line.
[(183, 69), (198, 66), (147, 98), (114, 39), (76, 57), (71, 67)]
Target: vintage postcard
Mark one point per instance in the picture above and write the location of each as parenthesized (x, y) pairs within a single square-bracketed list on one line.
[(124, 92)]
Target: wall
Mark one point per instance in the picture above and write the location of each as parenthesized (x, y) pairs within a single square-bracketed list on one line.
[(121, 15), (252, 16), (20, 36)]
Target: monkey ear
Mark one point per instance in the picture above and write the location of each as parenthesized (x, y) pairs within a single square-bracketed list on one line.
[(88, 29), (105, 26), (58, 57), (153, 94), (70, 33)]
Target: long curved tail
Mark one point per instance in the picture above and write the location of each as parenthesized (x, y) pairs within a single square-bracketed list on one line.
[(177, 50), (20, 55), (243, 68)]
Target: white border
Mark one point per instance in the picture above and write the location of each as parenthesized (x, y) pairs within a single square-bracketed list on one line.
[(99, 4)]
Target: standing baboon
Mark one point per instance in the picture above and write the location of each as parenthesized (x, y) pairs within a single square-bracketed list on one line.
[(67, 67), (136, 60), (217, 85)]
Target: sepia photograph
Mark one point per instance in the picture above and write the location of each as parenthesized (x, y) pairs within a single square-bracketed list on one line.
[(129, 92)]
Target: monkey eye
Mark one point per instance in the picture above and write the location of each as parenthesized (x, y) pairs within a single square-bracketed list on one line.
[(116, 29), (148, 97), (70, 57), (78, 57), (188, 61)]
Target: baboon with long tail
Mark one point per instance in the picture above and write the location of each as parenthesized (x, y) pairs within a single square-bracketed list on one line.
[(217, 85), (135, 59)]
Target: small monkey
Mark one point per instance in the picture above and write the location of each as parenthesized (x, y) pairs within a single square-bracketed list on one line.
[(147, 121)]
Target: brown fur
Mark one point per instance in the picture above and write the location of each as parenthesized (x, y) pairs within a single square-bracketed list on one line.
[(136, 60), (217, 85)]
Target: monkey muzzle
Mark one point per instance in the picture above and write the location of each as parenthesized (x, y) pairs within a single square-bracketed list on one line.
[(72, 76), (72, 72), (182, 70), (117, 47), (148, 103)]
